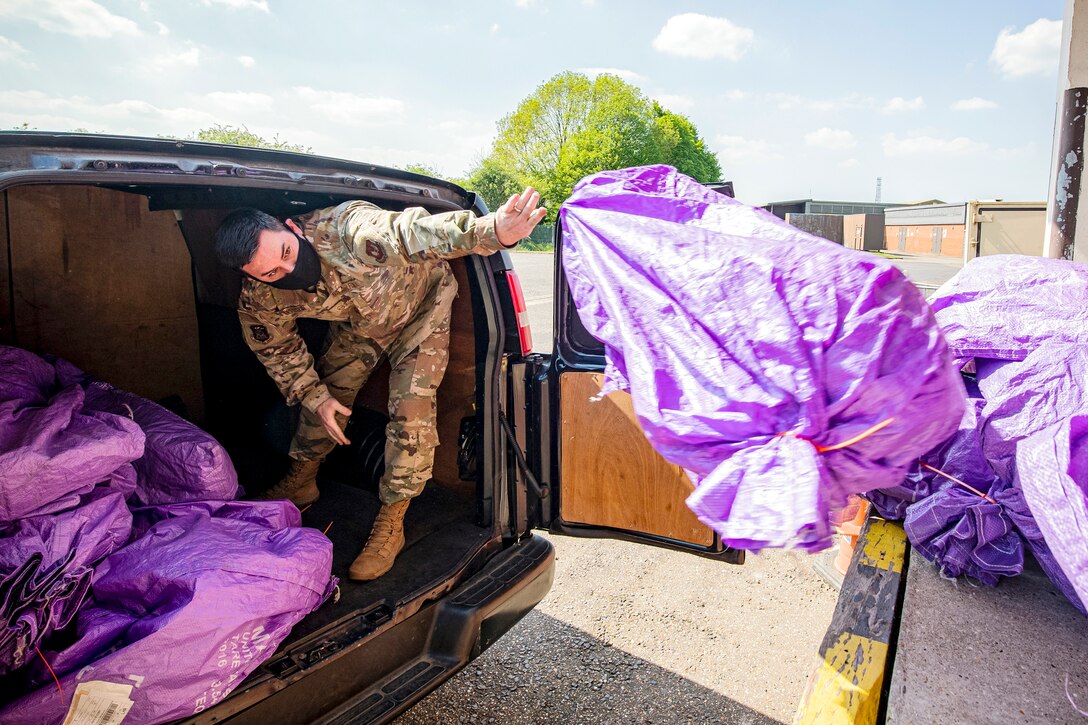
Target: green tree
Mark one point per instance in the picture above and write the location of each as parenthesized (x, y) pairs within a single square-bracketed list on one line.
[(572, 126), (242, 136), (425, 169), (679, 144), (492, 181)]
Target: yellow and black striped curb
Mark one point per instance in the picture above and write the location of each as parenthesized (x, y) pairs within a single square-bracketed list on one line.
[(845, 688)]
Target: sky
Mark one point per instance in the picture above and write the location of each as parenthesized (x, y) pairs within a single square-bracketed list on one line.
[(947, 99)]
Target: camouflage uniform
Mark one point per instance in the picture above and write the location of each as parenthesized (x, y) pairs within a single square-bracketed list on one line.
[(385, 288)]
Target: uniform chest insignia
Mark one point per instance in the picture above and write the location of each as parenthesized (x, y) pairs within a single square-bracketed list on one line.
[(259, 333), (375, 250)]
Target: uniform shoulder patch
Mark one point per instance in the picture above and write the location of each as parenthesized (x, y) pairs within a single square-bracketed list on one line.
[(259, 333), (375, 251)]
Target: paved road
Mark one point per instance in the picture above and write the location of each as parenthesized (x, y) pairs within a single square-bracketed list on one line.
[(536, 271), (926, 270)]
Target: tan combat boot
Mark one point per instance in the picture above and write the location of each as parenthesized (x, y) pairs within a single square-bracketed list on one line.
[(299, 485), (385, 542)]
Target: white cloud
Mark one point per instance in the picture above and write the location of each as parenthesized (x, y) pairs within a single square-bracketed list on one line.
[(737, 148), (831, 138), (168, 61), (127, 116), (13, 53), (904, 104), (1035, 49), (738, 95), (238, 102), (692, 35), (675, 102), (973, 104), (628, 75), (163, 30), (261, 5), (247, 61), (525, 3), (848, 164), (495, 27), (349, 108), (920, 144), (81, 18)]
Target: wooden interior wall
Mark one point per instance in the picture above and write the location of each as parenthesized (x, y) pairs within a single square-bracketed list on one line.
[(611, 475), (105, 283), (7, 331)]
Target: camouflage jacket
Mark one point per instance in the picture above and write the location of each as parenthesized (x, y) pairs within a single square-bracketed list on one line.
[(383, 274)]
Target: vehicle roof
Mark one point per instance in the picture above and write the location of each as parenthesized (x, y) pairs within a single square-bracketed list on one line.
[(159, 158)]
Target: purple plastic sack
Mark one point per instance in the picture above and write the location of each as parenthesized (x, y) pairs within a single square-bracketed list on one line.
[(46, 563), (51, 449), (1053, 473), (1022, 324), (274, 514), (1004, 306), (749, 346), (964, 533), (185, 613), (180, 463), (960, 456)]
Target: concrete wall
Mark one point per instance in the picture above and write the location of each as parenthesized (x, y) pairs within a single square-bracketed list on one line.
[(864, 232), (943, 239), (828, 226)]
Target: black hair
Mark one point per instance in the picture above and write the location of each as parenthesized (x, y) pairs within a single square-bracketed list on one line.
[(237, 237)]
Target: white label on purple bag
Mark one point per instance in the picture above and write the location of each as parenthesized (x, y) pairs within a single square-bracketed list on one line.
[(99, 703)]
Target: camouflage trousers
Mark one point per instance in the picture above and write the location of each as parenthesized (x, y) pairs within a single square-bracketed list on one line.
[(412, 433)]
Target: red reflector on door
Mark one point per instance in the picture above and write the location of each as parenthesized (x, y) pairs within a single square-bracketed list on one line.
[(521, 313)]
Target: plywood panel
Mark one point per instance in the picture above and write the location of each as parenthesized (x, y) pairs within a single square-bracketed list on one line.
[(7, 331), (611, 475), (106, 283)]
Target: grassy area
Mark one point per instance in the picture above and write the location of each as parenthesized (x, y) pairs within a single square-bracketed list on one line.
[(885, 254), (529, 245)]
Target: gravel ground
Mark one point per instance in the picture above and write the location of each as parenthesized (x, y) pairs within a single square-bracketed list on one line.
[(634, 634)]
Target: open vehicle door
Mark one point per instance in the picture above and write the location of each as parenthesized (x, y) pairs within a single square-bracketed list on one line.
[(596, 474)]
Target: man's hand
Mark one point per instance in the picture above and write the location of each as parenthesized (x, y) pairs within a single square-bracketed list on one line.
[(327, 412), (518, 216)]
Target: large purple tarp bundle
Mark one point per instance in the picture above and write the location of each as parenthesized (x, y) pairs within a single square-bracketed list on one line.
[(1021, 323), (61, 433), (46, 564), (194, 594), (64, 474), (180, 461), (189, 610), (752, 349), (53, 449)]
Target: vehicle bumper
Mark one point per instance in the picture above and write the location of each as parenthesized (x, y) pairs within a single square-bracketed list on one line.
[(384, 675)]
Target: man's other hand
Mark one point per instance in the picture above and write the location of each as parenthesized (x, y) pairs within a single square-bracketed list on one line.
[(327, 412), (517, 218)]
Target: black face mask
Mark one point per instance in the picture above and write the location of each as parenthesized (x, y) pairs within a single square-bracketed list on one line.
[(307, 269)]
